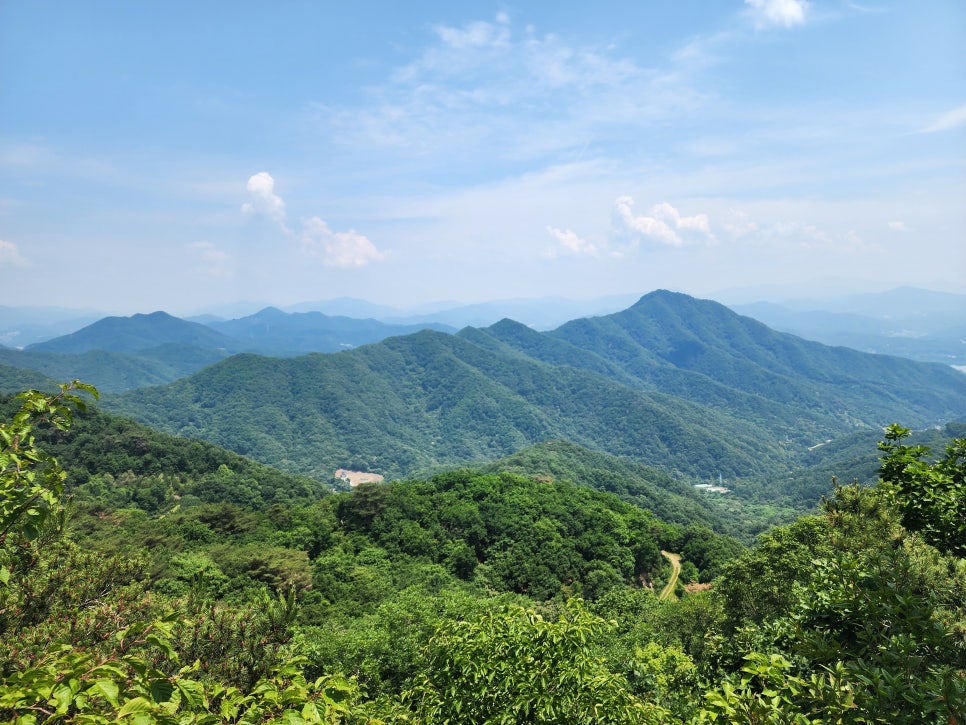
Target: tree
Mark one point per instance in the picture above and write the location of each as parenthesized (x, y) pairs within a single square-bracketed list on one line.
[(513, 666), (931, 495), (137, 677)]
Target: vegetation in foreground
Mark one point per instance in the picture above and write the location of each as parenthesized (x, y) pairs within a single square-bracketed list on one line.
[(471, 597)]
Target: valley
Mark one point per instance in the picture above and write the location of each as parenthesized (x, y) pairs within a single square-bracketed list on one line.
[(369, 517)]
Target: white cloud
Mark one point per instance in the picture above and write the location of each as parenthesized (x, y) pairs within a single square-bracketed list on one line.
[(898, 226), (264, 200), (476, 35), (571, 242), (337, 249), (484, 88), (213, 262), (784, 13), (664, 225), (738, 224), (948, 121), (10, 254)]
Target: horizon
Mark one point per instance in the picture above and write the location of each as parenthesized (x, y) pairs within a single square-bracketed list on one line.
[(183, 158)]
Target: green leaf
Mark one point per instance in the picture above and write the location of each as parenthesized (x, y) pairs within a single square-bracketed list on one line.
[(108, 689), (137, 705), (161, 690)]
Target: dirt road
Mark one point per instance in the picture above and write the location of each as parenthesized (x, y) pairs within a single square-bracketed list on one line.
[(668, 590)]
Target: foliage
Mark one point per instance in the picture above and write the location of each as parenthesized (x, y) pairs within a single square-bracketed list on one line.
[(871, 631), (513, 666), (930, 495), (31, 482)]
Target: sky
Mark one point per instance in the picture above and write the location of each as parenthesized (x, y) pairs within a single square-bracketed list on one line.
[(183, 155)]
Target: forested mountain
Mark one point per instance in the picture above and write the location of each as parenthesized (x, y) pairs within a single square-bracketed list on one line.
[(672, 381), (136, 333), (705, 337), (116, 371), (426, 399), (650, 488), (192, 585), (15, 379)]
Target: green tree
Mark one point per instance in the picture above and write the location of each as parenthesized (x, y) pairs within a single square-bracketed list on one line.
[(513, 666), (931, 495)]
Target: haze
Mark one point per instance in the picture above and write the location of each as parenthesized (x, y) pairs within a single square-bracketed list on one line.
[(184, 155)]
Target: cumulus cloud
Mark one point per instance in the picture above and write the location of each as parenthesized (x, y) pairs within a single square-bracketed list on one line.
[(264, 200), (316, 240), (898, 226), (337, 249), (664, 224), (10, 254), (948, 121), (571, 243), (783, 13)]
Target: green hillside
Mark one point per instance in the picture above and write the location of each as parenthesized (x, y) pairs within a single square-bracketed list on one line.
[(669, 499), (413, 402), (704, 337), (469, 596), (675, 382), (135, 333)]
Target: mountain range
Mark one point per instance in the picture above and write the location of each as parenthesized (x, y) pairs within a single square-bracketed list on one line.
[(672, 381), (914, 323)]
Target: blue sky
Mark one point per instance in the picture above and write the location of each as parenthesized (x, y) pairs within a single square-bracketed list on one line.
[(179, 155)]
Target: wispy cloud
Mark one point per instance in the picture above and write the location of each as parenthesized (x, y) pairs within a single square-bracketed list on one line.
[(570, 243), (485, 89), (316, 240), (948, 121), (782, 13), (211, 261), (898, 226), (10, 255)]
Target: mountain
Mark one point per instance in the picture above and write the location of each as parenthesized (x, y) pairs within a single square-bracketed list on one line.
[(274, 332), (412, 402), (15, 379), (21, 326), (116, 371), (542, 313), (672, 381), (703, 352), (669, 499), (136, 333), (918, 324)]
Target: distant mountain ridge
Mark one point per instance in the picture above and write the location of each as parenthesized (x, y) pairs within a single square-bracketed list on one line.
[(672, 381), (121, 353), (271, 331), (135, 333), (919, 324)]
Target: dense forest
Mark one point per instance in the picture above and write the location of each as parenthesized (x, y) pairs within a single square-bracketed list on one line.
[(145, 578)]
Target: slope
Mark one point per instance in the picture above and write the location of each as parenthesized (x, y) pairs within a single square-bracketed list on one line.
[(705, 338), (426, 399), (135, 333), (667, 498)]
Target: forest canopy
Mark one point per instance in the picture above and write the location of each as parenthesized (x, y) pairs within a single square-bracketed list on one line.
[(470, 596)]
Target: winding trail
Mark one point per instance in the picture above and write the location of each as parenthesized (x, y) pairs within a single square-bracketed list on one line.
[(668, 590)]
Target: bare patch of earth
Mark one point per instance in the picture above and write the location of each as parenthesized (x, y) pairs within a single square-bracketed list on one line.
[(356, 477)]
